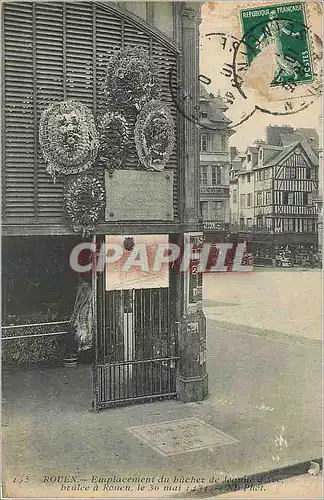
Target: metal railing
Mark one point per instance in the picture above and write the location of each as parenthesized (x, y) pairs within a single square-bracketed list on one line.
[(7, 330)]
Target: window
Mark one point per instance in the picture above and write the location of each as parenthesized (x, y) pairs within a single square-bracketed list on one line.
[(223, 142), (203, 114), (242, 200), (308, 173), (204, 209), (261, 154), (268, 197), (259, 199), (241, 221), (259, 221), (309, 226), (307, 199), (216, 175), (290, 173), (285, 224), (259, 176), (204, 175), (249, 157), (217, 210), (313, 174), (285, 198), (249, 222), (267, 173), (268, 223), (249, 200), (290, 199), (299, 198), (203, 142), (243, 178), (248, 177), (234, 196), (291, 224)]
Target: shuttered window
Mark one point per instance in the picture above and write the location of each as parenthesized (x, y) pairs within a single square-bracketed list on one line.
[(56, 51)]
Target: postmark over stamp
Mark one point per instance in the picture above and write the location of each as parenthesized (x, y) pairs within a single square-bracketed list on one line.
[(266, 58), (285, 27), (275, 58)]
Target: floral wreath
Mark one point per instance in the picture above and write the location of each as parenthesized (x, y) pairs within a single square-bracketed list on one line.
[(84, 198), (68, 137), (113, 139), (154, 135), (131, 79)]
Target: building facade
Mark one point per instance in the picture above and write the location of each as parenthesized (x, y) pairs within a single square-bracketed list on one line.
[(273, 185), (59, 52), (214, 164), (318, 195)]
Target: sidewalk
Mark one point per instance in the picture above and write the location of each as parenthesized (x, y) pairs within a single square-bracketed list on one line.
[(264, 392)]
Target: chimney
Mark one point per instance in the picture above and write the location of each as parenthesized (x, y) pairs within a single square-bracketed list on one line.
[(273, 133)]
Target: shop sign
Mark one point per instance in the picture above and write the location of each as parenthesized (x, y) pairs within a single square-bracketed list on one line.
[(213, 190)]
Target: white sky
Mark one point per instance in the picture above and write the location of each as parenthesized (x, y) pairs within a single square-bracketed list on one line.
[(223, 17)]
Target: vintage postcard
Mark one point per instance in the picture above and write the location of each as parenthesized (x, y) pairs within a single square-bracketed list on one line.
[(162, 235)]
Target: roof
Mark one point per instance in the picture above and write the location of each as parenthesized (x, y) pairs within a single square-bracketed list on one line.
[(211, 97), (282, 154), (289, 149), (216, 106), (311, 135)]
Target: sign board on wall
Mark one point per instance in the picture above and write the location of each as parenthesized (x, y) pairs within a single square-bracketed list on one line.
[(122, 275), (217, 226), (215, 191), (193, 278)]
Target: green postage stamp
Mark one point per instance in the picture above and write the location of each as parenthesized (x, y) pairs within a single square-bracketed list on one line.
[(284, 26)]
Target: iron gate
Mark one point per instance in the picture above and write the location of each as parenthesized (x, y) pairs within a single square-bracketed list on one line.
[(135, 346)]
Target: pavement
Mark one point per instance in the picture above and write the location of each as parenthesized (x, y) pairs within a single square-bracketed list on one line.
[(287, 301), (264, 392)]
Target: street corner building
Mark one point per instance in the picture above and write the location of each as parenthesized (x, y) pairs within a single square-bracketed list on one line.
[(214, 159), (98, 145)]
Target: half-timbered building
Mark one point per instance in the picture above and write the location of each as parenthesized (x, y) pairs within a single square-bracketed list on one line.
[(274, 184)]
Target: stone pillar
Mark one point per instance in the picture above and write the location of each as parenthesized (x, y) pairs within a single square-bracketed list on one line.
[(193, 378), (192, 384), (190, 105)]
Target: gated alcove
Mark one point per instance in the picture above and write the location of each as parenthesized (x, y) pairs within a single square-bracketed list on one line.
[(58, 51), (136, 347)]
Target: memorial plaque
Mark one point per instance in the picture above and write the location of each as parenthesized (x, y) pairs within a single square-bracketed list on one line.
[(138, 195), (181, 436)]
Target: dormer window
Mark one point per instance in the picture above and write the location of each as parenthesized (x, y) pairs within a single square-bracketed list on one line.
[(249, 156), (203, 114)]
